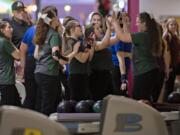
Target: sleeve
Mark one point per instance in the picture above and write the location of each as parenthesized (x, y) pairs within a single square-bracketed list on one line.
[(25, 38), (8, 47), (138, 38), (55, 40), (68, 46)]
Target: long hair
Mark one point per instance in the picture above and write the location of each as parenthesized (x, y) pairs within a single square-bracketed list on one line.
[(42, 28), (67, 33), (172, 39), (3, 24), (167, 26), (103, 23), (154, 31)]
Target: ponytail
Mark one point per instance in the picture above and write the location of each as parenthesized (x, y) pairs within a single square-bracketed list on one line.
[(154, 31), (156, 38), (65, 47)]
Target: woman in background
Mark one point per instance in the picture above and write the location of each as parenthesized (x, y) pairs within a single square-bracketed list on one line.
[(171, 36), (146, 47), (121, 57), (48, 57), (78, 66), (8, 53), (101, 64)]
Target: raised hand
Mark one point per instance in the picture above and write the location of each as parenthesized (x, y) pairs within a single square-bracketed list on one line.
[(124, 86), (108, 24)]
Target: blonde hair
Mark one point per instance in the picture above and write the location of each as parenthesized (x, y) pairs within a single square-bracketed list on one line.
[(67, 33), (170, 20)]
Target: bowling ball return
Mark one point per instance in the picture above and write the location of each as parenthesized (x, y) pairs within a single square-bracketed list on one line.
[(93, 123), (78, 117)]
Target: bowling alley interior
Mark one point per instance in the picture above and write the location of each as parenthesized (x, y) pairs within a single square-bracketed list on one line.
[(89, 67)]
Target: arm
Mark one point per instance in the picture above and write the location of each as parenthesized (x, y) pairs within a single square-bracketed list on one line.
[(91, 52), (36, 52), (58, 57), (100, 45), (113, 40), (125, 37), (105, 41), (23, 51), (82, 56), (74, 52), (120, 56), (167, 58), (11, 50), (16, 54)]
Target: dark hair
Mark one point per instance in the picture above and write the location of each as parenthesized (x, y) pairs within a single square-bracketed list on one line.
[(119, 16), (88, 30), (153, 29), (3, 24), (42, 28)]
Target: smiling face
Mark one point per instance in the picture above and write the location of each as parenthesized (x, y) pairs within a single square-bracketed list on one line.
[(77, 30), (19, 14), (96, 19), (172, 25), (7, 30), (97, 31)]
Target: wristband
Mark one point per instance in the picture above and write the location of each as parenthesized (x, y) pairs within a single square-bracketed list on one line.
[(59, 56), (123, 78)]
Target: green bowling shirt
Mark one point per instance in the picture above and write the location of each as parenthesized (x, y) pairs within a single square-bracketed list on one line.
[(143, 60), (7, 71), (46, 64)]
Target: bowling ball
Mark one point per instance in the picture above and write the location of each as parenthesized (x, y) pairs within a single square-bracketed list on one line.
[(73, 103), (83, 107), (65, 107), (97, 106), (91, 103), (174, 97)]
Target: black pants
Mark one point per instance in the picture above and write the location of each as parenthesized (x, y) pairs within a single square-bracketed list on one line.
[(64, 82), (169, 85), (116, 81), (30, 84), (100, 84), (50, 91), (9, 95), (79, 87), (158, 86), (144, 85)]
